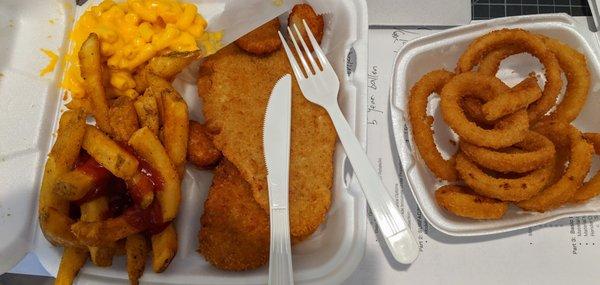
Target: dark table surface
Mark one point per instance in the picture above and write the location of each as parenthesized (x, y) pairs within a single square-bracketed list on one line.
[(489, 9)]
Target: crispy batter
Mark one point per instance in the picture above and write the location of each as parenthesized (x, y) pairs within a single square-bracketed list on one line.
[(201, 150), (523, 41), (591, 188), (580, 160), (315, 22), (235, 88), (263, 40), (512, 129), (510, 188), (519, 97), (536, 151), (463, 202), (421, 123), (573, 65), (235, 229)]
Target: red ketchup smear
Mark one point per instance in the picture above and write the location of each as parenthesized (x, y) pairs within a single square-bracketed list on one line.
[(99, 174), (124, 198), (152, 174), (152, 215), (146, 169), (92, 168), (118, 197), (149, 219)]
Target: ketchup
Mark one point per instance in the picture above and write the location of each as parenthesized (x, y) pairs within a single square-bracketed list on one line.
[(118, 197), (93, 169), (149, 219), (97, 192), (153, 175), (122, 196)]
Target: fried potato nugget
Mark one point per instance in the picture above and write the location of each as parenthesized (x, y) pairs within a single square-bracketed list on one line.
[(463, 202), (263, 40), (235, 229), (315, 22), (235, 87), (201, 150)]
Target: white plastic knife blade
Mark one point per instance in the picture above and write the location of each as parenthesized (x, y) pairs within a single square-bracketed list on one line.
[(276, 144), (276, 135)]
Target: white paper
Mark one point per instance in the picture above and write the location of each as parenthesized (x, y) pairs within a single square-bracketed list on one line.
[(421, 12), (558, 253)]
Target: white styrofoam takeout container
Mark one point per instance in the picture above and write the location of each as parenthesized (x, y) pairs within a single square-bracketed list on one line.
[(31, 106), (442, 50)]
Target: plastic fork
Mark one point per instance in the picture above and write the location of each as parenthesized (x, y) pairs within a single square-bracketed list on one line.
[(320, 85)]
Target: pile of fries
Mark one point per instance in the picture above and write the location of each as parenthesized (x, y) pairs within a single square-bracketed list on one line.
[(113, 188)]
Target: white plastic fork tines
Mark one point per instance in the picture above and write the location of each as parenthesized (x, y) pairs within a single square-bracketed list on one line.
[(321, 86)]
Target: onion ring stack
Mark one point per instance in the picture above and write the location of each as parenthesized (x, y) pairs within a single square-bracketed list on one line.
[(512, 147)]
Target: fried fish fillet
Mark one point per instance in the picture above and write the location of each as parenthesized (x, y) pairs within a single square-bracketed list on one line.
[(235, 87), (235, 229)]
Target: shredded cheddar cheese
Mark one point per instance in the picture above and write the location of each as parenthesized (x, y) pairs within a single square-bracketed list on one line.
[(52, 64), (131, 33)]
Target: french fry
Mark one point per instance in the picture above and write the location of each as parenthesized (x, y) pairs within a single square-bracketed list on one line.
[(91, 72), (136, 248), (53, 210), (141, 83), (201, 150), (141, 190), (72, 261), (164, 248), (82, 104), (109, 154), (56, 228), (169, 65), (123, 119), (175, 129), (75, 184), (156, 87), (92, 211), (106, 232), (147, 112), (148, 147)]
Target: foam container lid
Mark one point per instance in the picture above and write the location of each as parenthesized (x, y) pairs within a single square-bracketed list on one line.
[(442, 50), (31, 106)]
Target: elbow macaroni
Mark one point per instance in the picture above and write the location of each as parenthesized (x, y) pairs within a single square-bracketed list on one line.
[(133, 32)]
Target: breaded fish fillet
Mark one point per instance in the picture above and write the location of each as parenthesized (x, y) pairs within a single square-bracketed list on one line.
[(235, 229), (235, 87)]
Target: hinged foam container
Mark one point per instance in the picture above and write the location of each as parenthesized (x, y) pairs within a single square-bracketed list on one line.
[(442, 50), (30, 106)]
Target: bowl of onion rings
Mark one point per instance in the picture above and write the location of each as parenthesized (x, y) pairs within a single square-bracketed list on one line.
[(503, 128)]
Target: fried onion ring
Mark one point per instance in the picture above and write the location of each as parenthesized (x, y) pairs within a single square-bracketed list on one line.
[(472, 107), (506, 189), (519, 97), (574, 65), (591, 188), (538, 151), (571, 62), (514, 127), (462, 202), (421, 123), (580, 160), (527, 42)]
